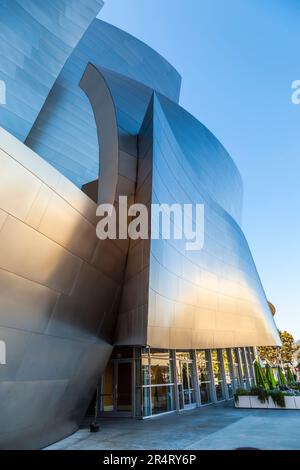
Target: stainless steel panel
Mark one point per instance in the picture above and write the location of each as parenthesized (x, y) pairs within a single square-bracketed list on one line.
[(65, 132), (24, 304), (217, 297), (36, 40), (64, 225), (26, 252), (57, 311)]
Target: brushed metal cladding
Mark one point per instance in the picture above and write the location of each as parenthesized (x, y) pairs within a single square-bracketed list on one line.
[(172, 298), (117, 152), (211, 298), (58, 303), (206, 161), (65, 132), (94, 85), (67, 297), (36, 38)]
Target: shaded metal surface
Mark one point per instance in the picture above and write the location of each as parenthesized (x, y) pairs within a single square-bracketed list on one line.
[(36, 38)]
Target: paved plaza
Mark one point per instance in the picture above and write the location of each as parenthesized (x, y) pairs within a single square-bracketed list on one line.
[(212, 427)]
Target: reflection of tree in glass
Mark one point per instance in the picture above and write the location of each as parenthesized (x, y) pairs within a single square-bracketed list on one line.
[(160, 371), (202, 366)]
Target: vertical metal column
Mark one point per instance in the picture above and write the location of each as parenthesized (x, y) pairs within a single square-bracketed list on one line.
[(173, 352), (196, 378), (244, 354), (213, 385)]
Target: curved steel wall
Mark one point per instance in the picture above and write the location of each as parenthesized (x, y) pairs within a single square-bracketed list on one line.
[(212, 298), (36, 38), (174, 298), (65, 133), (206, 162), (59, 295)]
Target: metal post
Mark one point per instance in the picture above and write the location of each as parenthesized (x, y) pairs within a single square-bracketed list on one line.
[(196, 378), (213, 386), (175, 380), (244, 354)]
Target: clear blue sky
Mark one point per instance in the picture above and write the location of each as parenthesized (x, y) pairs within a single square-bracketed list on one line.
[(238, 59)]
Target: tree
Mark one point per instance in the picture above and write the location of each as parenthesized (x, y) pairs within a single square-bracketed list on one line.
[(269, 353), (279, 354), (288, 347)]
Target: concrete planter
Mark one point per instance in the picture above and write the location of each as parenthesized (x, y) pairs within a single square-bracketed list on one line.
[(243, 402), (297, 402), (248, 401), (290, 403), (256, 403), (271, 404)]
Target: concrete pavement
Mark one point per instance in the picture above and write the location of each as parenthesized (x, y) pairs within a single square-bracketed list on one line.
[(211, 427)]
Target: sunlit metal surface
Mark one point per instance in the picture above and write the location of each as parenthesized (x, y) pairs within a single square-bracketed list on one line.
[(212, 297)]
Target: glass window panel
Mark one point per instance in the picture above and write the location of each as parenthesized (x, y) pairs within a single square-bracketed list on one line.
[(161, 370), (184, 355), (185, 378), (146, 401), (107, 388), (226, 363), (178, 369), (162, 399), (145, 369), (205, 393), (204, 377), (216, 367)]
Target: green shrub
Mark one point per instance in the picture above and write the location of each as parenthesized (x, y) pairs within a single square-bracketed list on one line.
[(278, 397), (261, 393)]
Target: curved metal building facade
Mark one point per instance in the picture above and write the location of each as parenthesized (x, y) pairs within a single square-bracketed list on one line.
[(104, 116), (36, 38)]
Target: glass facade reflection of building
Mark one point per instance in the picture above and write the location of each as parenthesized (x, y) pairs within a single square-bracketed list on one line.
[(168, 380)]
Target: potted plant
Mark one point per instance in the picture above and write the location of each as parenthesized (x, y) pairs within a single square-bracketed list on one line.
[(259, 397)]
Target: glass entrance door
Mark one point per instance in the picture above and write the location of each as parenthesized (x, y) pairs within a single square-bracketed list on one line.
[(188, 390), (117, 390)]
